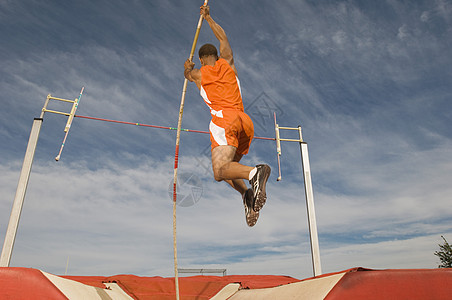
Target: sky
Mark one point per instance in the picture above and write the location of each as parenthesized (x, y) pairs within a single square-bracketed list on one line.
[(370, 83)]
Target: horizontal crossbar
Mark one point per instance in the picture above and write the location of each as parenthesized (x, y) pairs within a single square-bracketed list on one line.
[(61, 99), (291, 140), (55, 112), (288, 128), (156, 126)]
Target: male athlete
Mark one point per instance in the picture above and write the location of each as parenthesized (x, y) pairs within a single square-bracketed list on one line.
[(231, 130)]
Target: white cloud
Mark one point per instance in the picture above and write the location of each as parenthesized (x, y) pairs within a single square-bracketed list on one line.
[(443, 8), (425, 16), (124, 215), (403, 32), (340, 38), (414, 253)]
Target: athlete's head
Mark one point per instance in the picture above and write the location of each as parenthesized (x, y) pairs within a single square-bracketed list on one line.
[(208, 50)]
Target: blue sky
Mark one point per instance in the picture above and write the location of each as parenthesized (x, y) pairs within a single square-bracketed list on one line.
[(369, 81)]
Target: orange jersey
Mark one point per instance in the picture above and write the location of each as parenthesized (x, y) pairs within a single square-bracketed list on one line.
[(220, 87)]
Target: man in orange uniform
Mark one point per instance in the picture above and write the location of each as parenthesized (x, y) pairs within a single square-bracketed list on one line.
[(231, 130)]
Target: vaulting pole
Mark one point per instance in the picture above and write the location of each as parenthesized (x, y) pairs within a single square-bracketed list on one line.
[(176, 155)]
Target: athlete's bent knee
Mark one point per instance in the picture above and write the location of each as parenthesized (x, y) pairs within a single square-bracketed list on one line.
[(217, 175)]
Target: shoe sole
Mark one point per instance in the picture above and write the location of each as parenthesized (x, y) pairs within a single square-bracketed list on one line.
[(261, 196), (251, 216)]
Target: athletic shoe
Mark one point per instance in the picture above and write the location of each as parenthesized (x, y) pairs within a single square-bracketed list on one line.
[(250, 215), (258, 183)]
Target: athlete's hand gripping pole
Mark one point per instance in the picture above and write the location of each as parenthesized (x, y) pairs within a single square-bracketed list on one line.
[(176, 156)]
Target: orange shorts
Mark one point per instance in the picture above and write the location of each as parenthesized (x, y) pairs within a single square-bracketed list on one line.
[(235, 128)]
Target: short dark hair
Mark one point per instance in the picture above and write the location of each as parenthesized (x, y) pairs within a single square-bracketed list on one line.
[(207, 50)]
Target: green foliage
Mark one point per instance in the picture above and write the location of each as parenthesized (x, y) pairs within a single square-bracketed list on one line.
[(445, 254)]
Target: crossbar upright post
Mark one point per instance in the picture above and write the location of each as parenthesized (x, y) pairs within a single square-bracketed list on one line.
[(11, 231), (309, 194), (13, 224)]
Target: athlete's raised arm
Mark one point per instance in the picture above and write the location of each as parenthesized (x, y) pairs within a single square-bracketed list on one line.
[(220, 34)]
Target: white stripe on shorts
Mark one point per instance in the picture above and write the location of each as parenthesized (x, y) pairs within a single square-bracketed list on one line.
[(218, 134)]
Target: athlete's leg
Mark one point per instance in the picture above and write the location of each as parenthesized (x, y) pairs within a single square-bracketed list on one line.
[(237, 184), (226, 166)]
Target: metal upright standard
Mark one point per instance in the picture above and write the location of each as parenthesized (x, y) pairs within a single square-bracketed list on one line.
[(306, 169), (13, 224), (20, 194)]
